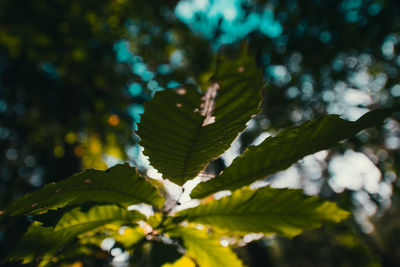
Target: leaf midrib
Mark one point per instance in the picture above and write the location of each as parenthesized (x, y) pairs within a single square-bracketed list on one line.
[(43, 199), (253, 214), (194, 141), (243, 178), (92, 222)]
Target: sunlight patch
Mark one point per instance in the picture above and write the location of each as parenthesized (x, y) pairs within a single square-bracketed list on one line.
[(354, 171), (208, 104)]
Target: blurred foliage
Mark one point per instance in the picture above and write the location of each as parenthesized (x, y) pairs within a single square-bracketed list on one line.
[(65, 101), (73, 76)]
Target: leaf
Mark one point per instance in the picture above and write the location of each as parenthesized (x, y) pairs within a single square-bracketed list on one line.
[(266, 210), (120, 184), (33, 244), (130, 236), (205, 250), (76, 252), (79, 222), (281, 151), (177, 129), (41, 241), (182, 262)]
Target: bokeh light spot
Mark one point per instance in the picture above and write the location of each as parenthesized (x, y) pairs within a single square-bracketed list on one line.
[(59, 151), (135, 89), (70, 137), (79, 151), (113, 120)]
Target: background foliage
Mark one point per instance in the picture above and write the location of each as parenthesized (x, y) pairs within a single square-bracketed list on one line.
[(73, 77)]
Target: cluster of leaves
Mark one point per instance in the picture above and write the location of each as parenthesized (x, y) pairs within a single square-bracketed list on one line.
[(181, 131)]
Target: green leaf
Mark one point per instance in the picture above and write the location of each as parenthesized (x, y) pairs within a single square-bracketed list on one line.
[(266, 210), (177, 132), (78, 222), (44, 242), (37, 242), (77, 252), (205, 250), (281, 151), (120, 184)]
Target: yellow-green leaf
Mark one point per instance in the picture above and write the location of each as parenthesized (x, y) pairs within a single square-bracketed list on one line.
[(204, 249), (266, 210), (130, 236), (182, 262), (41, 241)]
